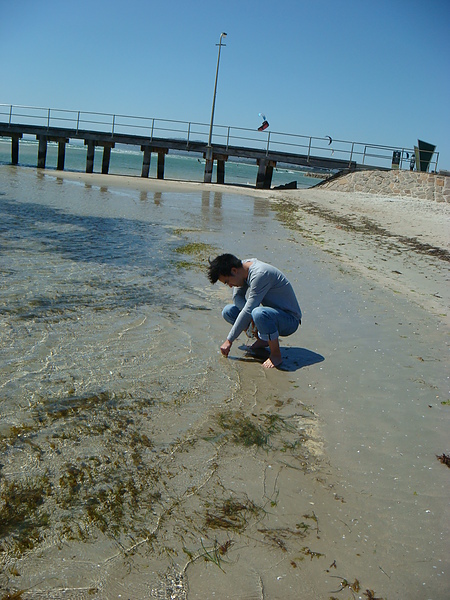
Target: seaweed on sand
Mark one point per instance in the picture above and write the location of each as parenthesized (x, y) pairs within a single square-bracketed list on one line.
[(252, 431), (214, 554), (89, 487), (198, 252), (232, 514), (444, 459), (243, 429), (21, 511)]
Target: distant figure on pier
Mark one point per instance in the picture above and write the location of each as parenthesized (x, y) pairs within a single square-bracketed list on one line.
[(264, 302)]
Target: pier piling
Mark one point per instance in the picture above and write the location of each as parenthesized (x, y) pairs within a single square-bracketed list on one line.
[(146, 161), (106, 156), (221, 160), (15, 148), (265, 172), (42, 151), (61, 152), (161, 161), (90, 155), (209, 163)]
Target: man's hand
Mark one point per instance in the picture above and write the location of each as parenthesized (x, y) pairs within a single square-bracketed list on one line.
[(226, 347)]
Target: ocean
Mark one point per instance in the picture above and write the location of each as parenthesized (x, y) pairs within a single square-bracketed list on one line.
[(137, 462), (127, 161)]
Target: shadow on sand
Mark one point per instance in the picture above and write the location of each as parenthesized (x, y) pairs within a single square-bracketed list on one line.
[(293, 358)]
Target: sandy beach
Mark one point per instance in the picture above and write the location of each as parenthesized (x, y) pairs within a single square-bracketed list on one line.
[(401, 242), (342, 494)]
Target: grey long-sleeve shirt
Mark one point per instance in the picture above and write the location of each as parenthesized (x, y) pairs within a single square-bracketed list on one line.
[(267, 286)]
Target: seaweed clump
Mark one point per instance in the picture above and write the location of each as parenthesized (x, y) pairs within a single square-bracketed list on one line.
[(21, 511), (251, 432), (444, 459), (232, 514), (198, 252)]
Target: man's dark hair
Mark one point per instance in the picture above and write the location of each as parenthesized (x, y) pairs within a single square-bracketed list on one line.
[(222, 265)]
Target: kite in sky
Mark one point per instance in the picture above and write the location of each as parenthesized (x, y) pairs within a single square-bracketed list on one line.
[(264, 124)]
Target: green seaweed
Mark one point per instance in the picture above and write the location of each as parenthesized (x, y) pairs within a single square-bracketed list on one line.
[(258, 431), (243, 429), (17, 433), (21, 511), (199, 253), (194, 248), (14, 595)]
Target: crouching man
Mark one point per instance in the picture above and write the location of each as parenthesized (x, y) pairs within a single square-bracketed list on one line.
[(262, 295)]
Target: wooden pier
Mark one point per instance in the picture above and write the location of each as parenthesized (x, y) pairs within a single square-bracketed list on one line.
[(160, 136), (266, 159)]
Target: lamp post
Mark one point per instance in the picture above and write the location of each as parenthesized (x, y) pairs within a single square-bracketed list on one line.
[(209, 155)]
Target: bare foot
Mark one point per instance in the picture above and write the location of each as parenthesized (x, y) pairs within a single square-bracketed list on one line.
[(272, 362)]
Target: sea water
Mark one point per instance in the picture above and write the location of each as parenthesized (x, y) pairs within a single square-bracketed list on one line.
[(137, 462), (126, 160), (112, 383)]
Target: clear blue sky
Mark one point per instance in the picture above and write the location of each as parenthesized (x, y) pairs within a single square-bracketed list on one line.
[(368, 71)]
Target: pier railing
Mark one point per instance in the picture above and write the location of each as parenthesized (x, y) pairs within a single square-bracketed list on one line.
[(364, 154)]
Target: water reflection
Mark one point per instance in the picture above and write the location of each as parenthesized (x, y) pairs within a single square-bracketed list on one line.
[(214, 213)]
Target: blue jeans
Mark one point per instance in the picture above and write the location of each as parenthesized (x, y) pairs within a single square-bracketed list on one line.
[(270, 322)]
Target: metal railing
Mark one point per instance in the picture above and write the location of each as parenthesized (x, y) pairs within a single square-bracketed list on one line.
[(365, 154)]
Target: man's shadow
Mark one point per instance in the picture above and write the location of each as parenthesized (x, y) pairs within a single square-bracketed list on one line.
[(293, 358)]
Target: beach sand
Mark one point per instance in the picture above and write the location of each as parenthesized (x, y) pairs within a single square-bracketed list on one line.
[(401, 243), (348, 498)]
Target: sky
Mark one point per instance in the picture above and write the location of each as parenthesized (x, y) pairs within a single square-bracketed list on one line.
[(364, 71)]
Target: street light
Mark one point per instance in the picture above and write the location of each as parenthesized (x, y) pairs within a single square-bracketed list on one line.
[(209, 157)]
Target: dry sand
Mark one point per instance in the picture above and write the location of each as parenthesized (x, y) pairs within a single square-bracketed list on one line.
[(402, 243)]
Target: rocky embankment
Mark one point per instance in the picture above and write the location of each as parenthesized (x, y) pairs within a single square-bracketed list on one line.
[(426, 186)]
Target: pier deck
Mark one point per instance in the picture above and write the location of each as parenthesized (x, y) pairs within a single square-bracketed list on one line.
[(157, 136), (266, 160)]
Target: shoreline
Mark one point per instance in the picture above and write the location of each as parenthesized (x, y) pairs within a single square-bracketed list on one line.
[(401, 243)]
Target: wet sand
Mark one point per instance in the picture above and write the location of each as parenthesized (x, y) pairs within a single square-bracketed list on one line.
[(401, 243), (350, 220), (346, 495)]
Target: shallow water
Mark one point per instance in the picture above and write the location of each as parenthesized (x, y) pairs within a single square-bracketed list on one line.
[(130, 460)]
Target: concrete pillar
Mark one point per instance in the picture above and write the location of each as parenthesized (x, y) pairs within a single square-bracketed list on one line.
[(146, 161), (90, 155), (221, 159), (106, 157), (15, 148), (268, 175), (220, 171), (42, 151), (61, 154), (260, 178), (161, 160), (208, 166), (265, 172)]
